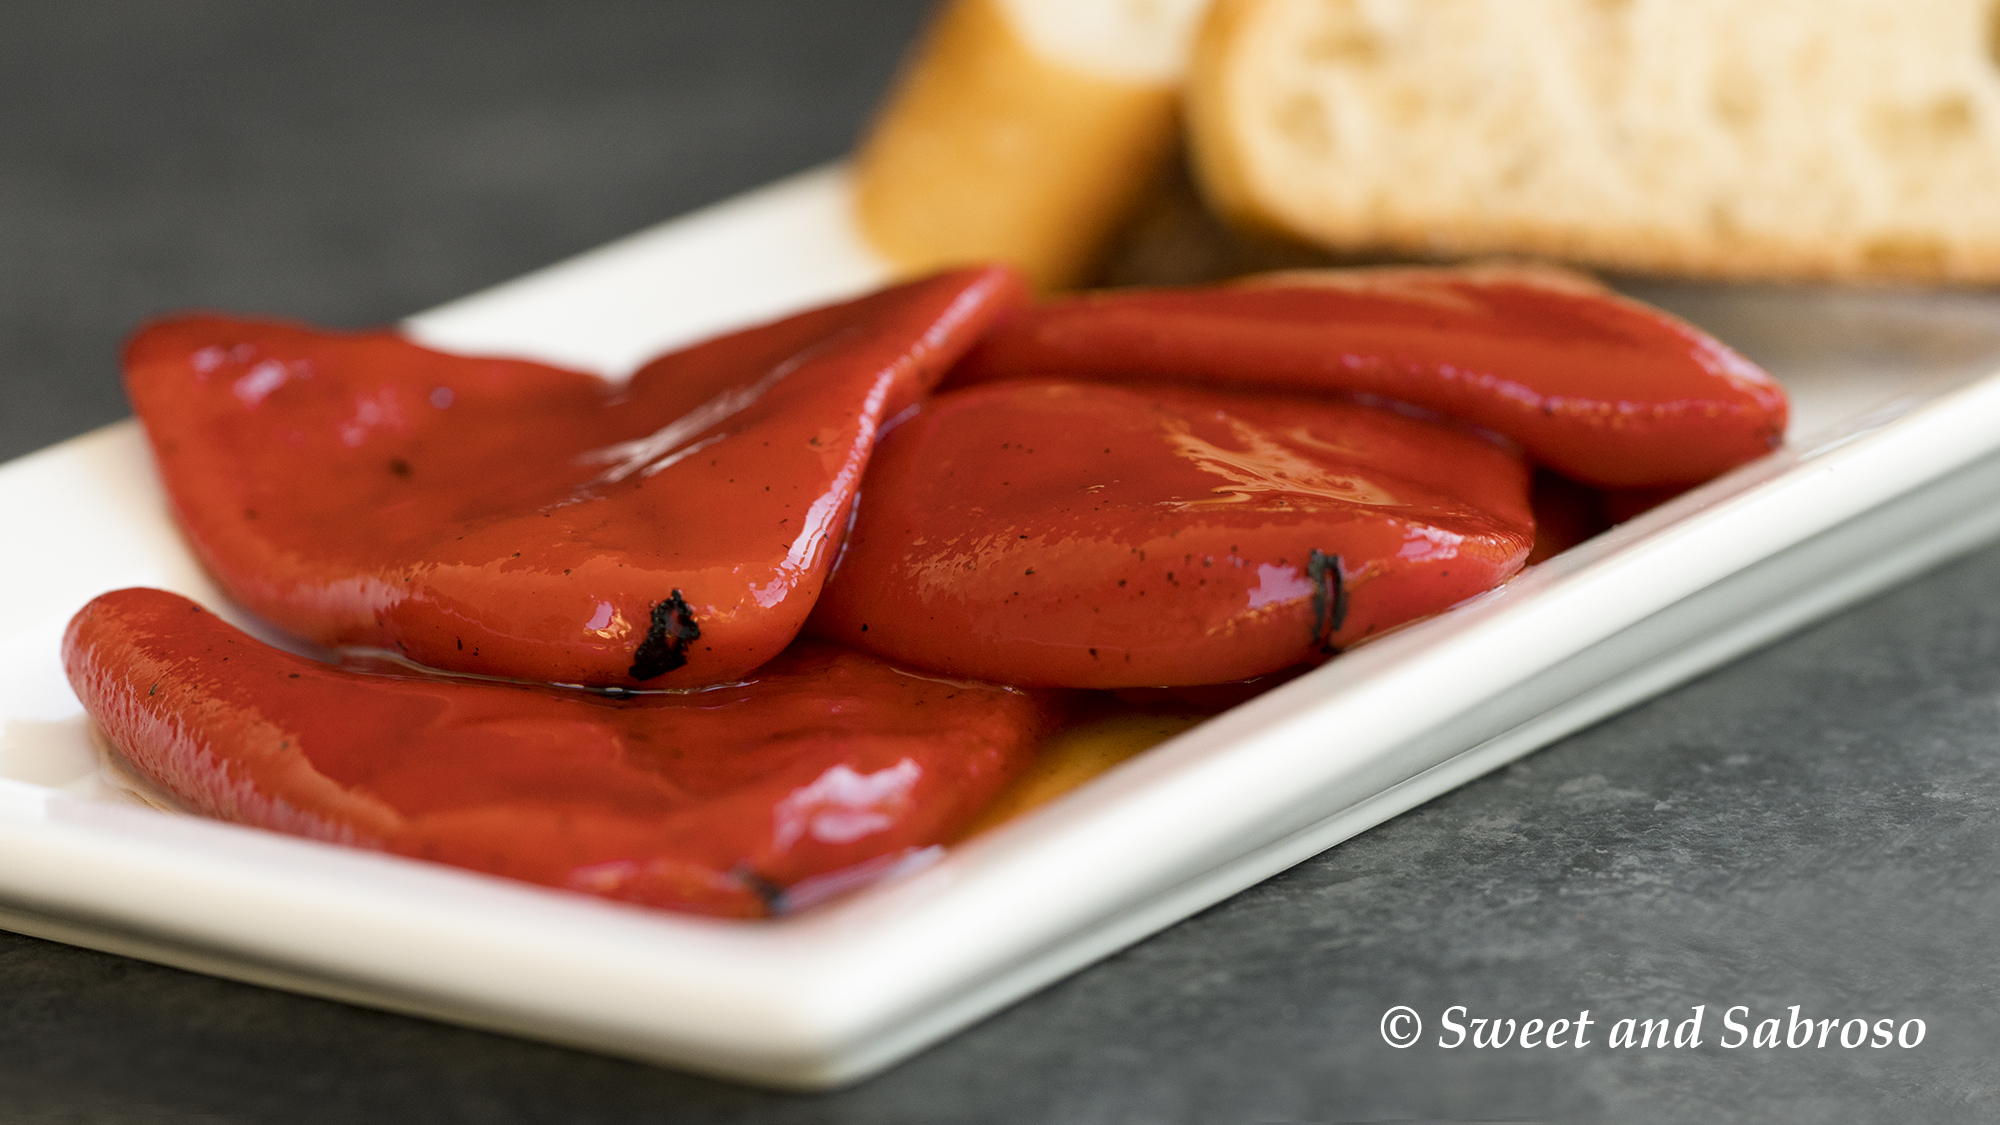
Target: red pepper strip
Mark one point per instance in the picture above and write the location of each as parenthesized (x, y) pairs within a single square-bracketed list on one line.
[(1598, 387), (710, 801), (1087, 535), (523, 521)]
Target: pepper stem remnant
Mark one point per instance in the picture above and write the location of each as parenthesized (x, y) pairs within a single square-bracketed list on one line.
[(665, 646), (1329, 598), (769, 893)]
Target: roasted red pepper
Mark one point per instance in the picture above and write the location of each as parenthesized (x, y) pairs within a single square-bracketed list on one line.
[(713, 800), (1598, 387), (1091, 535), (516, 520), (523, 521)]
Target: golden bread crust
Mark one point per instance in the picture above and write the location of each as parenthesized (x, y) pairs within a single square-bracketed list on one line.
[(987, 151)]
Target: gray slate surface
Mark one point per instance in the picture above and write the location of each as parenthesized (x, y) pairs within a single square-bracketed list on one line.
[(1816, 825)]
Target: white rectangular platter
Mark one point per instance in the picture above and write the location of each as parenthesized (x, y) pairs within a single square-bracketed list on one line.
[(1896, 467)]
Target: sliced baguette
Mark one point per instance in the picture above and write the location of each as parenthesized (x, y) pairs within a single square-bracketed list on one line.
[(1781, 139), (1023, 131)]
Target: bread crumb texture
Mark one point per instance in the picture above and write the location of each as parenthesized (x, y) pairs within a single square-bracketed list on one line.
[(1782, 139)]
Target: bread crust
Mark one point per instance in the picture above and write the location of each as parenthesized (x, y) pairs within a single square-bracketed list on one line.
[(988, 151), (1254, 174)]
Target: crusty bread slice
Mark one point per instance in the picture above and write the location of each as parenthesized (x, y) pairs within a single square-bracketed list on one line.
[(1779, 139), (1023, 131)]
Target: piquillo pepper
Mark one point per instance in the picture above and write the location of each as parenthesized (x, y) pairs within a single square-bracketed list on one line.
[(523, 521), (1091, 535), (1602, 389), (1346, 468), (713, 801)]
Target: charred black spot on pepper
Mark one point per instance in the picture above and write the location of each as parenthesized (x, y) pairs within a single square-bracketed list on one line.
[(665, 646), (771, 893), (399, 467), (1329, 598)]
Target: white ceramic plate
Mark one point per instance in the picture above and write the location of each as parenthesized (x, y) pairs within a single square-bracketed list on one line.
[(1899, 469)]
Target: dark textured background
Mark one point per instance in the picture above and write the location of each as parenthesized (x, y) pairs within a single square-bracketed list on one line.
[(1816, 825)]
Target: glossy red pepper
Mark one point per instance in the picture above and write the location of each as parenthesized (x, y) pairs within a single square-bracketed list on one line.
[(524, 521), (713, 800), (1091, 535), (1598, 387)]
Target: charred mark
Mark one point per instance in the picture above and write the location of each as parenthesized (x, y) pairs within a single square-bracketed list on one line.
[(399, 467), (667, 639), (771, 893), (1329, 598)]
